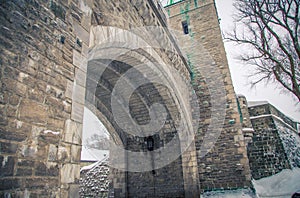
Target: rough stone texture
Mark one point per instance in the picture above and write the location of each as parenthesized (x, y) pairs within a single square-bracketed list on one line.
[(35, 67), (44, 47), (46, 78), (267, 152), (226, 165), (245, 119), (94, 182)]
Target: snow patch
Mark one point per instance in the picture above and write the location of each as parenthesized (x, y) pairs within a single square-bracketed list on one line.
[(274, 116), (248, 129), (4, 161), (53, 132), (19, 124), (89, 167), (240, 193), (280, 185), (257, 103)]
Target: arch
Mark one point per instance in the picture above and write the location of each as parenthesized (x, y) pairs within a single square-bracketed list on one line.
[(110, 60)]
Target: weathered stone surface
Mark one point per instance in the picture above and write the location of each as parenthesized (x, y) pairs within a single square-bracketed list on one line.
[(8, 148), (7, 166), (77, 111), (25, 163), (74, 191), (73, 132), (75, 153), (7, 135), (204, 49), (36, 183), (44, 52), (69, 173), (33, 112), (52, 153), (7, 184), (42, 169), (24, 172), (266, 153)]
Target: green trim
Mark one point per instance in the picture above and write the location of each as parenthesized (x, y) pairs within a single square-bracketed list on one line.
[(192, 74), (196, 3), (239, 110), (172, 3)]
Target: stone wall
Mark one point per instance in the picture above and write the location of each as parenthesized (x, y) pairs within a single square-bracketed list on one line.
[(267, 153), (226, 164), (44, 62), (37, 75), (95, 181), (245, 119)]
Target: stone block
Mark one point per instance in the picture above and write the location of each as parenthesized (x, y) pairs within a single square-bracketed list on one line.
[(7, 166), (34, 183), (8, 148), (9, 183), (58, 10), (78, 95), (9, 135), (70, 173), (69, 89), (73, 132), (81, 33), (43, 169), (80, 77), (33, 112), (79, 61), (77, 112), (75, 153), (64, 153), (25, 163), (74, 191), (49, 136), (24, 172), (14, 86), (52, 153)]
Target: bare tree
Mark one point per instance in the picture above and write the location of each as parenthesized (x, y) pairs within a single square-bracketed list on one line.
[(270, 30), (97, 141)]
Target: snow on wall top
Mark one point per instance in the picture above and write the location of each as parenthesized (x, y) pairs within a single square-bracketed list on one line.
[(257, 103)]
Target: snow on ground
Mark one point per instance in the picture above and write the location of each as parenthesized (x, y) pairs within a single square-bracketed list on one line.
[(241, 193), (281, 185)]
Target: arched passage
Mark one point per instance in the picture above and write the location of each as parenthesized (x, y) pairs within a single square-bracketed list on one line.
[(145, 82)]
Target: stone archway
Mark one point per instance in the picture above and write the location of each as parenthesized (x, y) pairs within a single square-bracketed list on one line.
[(104, 69)]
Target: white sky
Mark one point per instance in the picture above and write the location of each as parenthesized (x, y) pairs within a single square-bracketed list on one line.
[(282, 101), (92, 125)]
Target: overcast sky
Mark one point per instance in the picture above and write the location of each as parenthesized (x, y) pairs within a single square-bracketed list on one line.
[(268, 92)]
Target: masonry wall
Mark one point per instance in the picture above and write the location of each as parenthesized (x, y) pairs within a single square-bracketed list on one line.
[(226, 165), (44, 49), (267, 155), (37, 73), (245, 118)]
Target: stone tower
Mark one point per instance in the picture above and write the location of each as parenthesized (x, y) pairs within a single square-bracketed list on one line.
[(221, 152)]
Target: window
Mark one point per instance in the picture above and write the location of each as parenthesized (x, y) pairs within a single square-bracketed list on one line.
[(185, 27), (150, 143)]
